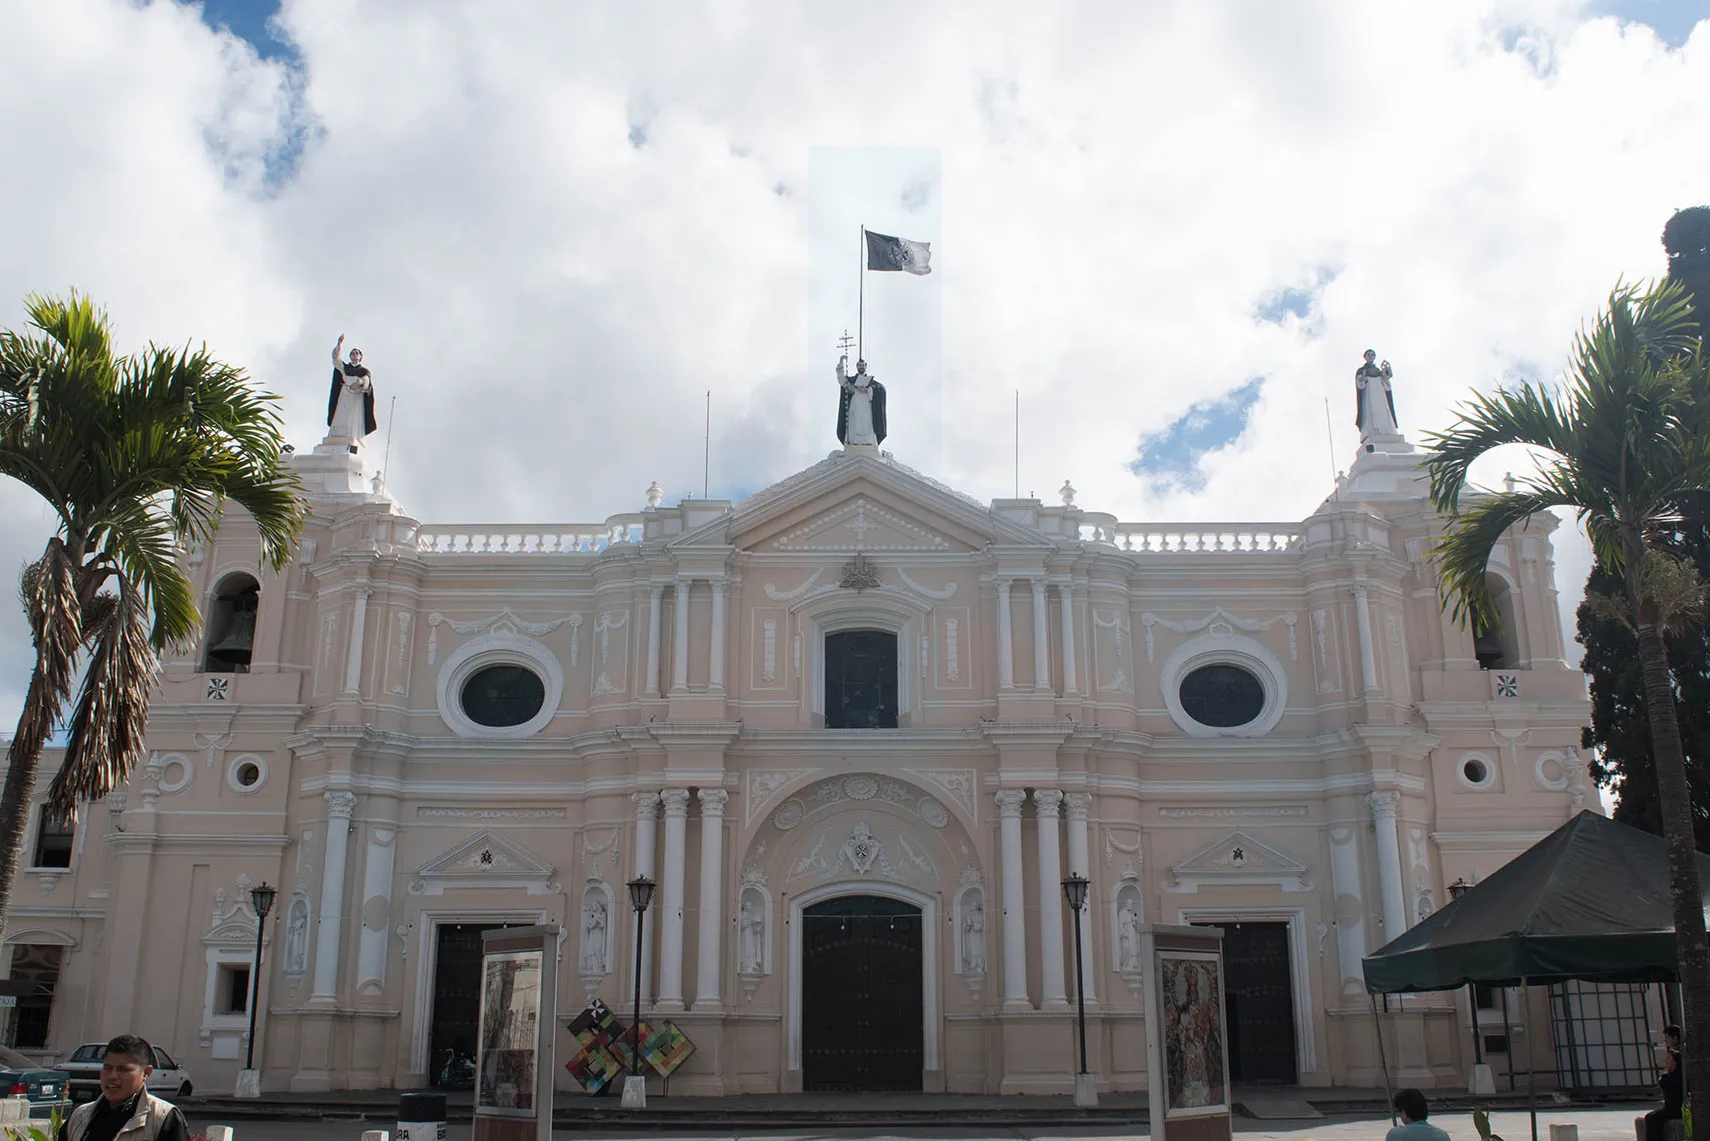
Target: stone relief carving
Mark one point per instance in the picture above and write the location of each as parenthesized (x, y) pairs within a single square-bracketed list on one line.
[(943, 594), (769, 650), (1220, 624), (1324, 651), (763, 785), (607, 624), (777, 595), (957, 785), (1117, 623), (859, 520)]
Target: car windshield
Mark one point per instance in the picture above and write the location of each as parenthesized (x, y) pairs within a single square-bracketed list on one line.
[(91, 1053), (13, 1060)]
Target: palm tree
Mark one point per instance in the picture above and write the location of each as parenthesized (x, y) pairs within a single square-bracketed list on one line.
[(1625, 446), (137, 455)]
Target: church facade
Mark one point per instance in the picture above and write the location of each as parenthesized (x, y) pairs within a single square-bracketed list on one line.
[(858, 728)]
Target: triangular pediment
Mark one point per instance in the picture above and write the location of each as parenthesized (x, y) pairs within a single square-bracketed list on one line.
[(858, 504), (1239, 858), (488, 859)]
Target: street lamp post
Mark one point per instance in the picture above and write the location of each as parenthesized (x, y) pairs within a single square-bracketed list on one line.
[(261, 899), (635, 1086), (1075, 888)]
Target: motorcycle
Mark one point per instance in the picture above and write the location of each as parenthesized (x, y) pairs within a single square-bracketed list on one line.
[(458, 1072)]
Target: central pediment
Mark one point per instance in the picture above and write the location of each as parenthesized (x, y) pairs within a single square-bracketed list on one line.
[(859, 504)]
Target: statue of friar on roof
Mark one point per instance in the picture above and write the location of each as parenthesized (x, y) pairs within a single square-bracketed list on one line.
[(1374, 411), (860, 406), (350, 404)]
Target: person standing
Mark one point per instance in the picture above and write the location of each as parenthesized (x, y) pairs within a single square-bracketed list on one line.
[(1414, 1110), (126, 1111)]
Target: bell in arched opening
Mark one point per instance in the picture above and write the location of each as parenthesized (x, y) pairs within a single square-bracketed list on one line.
[(232, 627)]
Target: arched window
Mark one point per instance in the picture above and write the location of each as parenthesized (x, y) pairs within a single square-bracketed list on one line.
[(231, 625), (1498, 648)]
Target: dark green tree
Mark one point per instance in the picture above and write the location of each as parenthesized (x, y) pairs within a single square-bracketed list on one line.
[(1620, 733)]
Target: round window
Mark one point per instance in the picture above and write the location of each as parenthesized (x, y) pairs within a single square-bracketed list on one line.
[(1222, 696), (501, 696), (1476, 771), (249, 774)]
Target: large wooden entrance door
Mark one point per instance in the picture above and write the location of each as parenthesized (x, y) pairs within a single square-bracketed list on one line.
[(861, 680), (456, 998), (1259, 995), (863, 1014)]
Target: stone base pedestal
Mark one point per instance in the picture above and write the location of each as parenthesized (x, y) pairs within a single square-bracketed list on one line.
[(1086, 1091), (248, 1084), (635, 1091), (1480, 1081)]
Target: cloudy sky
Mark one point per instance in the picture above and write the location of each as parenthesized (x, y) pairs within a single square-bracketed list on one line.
[(1167, 229)]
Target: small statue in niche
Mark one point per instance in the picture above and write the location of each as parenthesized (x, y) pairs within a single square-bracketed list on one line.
[(1128, 936), (974, 937), (297, 937), (594, 937), (750, 959)]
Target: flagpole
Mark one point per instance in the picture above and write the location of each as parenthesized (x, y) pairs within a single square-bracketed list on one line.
[(861, 303)]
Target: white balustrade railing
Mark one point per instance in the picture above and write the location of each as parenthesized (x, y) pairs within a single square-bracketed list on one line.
[(531, 539), (1191, 538)]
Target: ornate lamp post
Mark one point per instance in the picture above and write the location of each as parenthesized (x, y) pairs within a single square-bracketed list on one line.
[(261, 899), (1075, 888), (635, 1086), (1459, 888)]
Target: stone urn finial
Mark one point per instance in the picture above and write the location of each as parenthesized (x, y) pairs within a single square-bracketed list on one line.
[(654, 495), (1067, 491)]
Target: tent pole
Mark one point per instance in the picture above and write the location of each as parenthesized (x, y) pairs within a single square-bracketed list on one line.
[(1383, 1060), (1508, 1036), (1531, 1070)]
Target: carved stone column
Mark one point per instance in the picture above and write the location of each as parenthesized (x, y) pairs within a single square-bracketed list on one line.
[(1047, 804), (1006, 641), (646, 843), (680, 637), (1014, 920), (358, 624), (340, 807), (1390, 883), (654, 598), (1041, 645), (711, 934), (715, 666), (676, 801), (1363, 623), (376, 912), (1076, 805), (1066, 595)]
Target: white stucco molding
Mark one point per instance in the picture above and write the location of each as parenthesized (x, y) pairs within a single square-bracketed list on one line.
[(487, 860), (1236, 650), (1239, 858)]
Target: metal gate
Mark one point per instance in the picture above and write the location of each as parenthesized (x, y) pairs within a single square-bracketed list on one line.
[(863, 1013), (1602, 1034)]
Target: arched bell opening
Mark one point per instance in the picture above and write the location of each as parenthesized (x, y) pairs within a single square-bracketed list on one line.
[(230, 629), (1496, 646)]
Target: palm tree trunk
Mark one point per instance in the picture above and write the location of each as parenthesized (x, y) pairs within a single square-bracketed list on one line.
[(1692, 948), (22, 760)]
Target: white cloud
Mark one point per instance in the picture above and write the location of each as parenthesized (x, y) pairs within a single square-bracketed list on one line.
[(1110, 194)]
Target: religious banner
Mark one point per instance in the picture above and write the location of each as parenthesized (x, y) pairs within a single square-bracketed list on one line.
[(888, 254), (1195, 1081)]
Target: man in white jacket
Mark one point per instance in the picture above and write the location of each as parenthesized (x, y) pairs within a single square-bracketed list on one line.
[(126, 1111)]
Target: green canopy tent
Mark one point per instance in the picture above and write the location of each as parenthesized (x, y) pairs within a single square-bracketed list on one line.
[(1590, 901)]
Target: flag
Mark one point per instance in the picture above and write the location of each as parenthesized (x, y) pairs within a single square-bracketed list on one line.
[(887, 253)]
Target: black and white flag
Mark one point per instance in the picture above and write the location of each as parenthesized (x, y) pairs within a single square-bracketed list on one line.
[(887, 253)]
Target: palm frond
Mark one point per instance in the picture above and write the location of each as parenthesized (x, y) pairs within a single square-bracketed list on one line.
[(48, 589), (106, 738), (1529, 415), (1463, 554)]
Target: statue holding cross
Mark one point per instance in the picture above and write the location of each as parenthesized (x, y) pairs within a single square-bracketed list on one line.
[(860, 404)]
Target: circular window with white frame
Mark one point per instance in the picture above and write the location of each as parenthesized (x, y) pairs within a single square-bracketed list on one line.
[(246, 773), (1475, 771), (500, 685), (1224, 685)]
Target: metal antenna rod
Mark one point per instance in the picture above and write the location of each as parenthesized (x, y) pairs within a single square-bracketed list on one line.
[(706, 453), (391, 419), (1018, 443), (1330, 433)]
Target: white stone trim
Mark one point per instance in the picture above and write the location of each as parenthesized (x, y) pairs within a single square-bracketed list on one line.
[(427, 962), (1558, 783), (1300, 972), (1235, 650), (237, 762), (873, 610), (930, 1049), (498, 649), (1489, 771)]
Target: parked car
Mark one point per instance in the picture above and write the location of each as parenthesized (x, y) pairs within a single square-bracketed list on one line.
[(169, 1079), (43, 1085)]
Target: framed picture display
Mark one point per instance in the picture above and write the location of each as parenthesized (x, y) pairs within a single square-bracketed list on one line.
[(1195, 1055), (510, 1033)]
